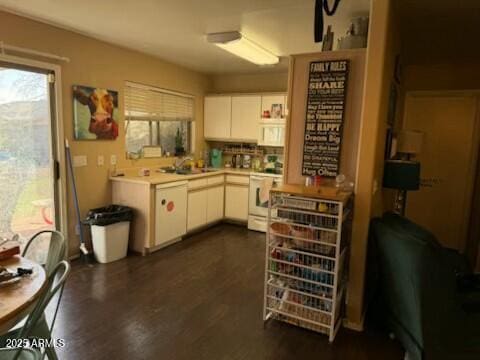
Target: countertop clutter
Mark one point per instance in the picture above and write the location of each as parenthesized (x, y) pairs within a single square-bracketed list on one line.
[(156, 178)]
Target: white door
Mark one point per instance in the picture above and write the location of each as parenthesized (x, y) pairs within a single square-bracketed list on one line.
[(217, 117), (170, 213), (215, 203), (29, 167), (236, 202), (245, 117), (197, 209), (447, 160)]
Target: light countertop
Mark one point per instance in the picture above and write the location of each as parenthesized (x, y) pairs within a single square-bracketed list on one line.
[(321, 192), (162, 178)]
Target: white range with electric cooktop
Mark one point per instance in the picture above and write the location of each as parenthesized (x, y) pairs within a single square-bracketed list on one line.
[(258, 207)]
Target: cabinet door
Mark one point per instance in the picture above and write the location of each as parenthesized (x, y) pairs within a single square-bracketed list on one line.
[(217, 117), (245, 117), (215, 203), (236, 202), (197, 206), (170, 214)]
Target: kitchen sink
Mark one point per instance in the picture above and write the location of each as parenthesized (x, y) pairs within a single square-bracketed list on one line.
[(194, 172), (183, 172), (173, 170), (167, 169)]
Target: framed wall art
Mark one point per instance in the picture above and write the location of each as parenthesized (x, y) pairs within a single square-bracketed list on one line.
[(95, 113)]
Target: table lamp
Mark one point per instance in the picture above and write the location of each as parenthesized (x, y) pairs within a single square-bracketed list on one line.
[(409, 143), (403, 173)]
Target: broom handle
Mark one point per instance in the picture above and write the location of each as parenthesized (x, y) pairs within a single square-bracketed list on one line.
[(75, 197)]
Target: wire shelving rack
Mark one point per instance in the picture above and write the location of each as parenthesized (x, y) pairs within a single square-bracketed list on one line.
[(306, 262)]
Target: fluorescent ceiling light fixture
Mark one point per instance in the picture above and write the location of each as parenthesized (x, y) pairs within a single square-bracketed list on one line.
[(236, 43)]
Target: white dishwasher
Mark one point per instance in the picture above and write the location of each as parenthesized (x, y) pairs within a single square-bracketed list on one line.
[(170, 212)]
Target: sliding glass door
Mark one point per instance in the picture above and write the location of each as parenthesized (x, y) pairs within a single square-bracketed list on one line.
[(27, 147)]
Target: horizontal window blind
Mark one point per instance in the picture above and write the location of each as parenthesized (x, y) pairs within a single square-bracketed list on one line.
[(146, 103)]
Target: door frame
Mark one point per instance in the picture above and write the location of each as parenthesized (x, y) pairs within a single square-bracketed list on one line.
[(474, 166), (58, 137)]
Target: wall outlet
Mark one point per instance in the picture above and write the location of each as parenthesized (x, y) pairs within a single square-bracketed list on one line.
[(79, 160), (100, 160), (113, 159)]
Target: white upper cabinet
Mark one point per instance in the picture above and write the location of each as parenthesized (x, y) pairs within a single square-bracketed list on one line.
[(237, 117), (246, 110), (217, 117)]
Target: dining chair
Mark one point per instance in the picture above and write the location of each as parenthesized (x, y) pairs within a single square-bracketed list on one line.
[(56, 249), (35, 325), (19, 354)]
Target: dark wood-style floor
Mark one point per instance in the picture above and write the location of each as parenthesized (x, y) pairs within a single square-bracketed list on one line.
[(198, 299)]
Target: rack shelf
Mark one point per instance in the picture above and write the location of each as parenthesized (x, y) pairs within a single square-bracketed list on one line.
[(242, 150), (306, 259)]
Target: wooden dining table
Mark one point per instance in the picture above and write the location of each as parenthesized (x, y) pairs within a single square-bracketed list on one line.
[(18, 298)]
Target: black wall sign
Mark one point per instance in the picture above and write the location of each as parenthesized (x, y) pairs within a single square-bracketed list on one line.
[(327, 89)]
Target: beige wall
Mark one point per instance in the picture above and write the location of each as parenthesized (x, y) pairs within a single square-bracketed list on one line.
[(383, 45), (95, 63), (243, 83)]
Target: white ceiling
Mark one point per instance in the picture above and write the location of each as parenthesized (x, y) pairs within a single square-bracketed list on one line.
[(175, 30)]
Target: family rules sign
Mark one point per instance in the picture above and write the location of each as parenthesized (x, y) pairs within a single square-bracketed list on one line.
[(327, 88)]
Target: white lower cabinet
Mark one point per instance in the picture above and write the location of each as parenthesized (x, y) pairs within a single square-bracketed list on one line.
[(196, 214), (205, 206), (215, 203), (170, 212), (212, 201), (236, 202)]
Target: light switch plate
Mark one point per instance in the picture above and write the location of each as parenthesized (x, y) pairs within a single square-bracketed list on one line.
[(79, 160), (100, 160), (375, 187), (113, 159)]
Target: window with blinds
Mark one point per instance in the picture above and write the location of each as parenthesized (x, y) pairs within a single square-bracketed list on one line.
[(158, 117)]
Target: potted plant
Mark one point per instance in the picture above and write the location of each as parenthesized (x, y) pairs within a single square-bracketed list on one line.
[(179, 149)]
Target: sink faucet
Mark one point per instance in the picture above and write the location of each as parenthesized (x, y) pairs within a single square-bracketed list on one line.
[(180, 161)]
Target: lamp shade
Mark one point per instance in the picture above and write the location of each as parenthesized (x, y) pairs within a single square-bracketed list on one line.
[(401, 175), (410, 142)]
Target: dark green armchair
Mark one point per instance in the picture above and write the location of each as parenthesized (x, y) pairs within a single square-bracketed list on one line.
[(429, 296)]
